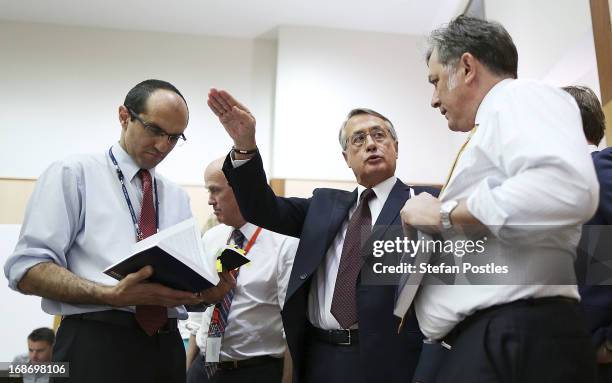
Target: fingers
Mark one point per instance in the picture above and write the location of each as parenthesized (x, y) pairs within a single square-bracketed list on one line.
[(138, 276), (231, 102), (227, 278), (168, 297), (221, 102), (218, 103), (216, 293), (216, 109)]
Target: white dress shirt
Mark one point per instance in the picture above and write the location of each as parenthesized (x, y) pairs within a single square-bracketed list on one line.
[(527, 164), (254, 325), (78, 218), (324, 280)]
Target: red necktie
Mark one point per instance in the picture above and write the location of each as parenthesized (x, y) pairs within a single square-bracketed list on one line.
[(150, 318), (344, 302)]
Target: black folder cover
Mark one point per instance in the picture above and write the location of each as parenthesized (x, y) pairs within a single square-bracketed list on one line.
[(232, 259), (168, 270)]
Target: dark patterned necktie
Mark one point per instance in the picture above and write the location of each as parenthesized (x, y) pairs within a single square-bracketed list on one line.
[(222, 309), (150, 318), (344, 302)]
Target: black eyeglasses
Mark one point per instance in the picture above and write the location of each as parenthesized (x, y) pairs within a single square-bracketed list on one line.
[(378, 135), (155, 131)]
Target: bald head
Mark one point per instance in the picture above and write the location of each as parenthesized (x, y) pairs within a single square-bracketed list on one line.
[(215, 166), (221, 196)]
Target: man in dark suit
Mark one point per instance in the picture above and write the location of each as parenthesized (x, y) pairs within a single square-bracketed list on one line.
[(596, 241), (338, 328)]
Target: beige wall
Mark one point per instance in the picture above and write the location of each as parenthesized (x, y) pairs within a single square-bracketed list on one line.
[(15, 193)]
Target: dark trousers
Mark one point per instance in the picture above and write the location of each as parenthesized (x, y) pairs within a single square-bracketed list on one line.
[(604, 373), (326, 362), (528, 341), (266, 373), (105, 352)]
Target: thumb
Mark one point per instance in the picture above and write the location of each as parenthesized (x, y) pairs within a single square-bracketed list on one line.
[(139, 276)]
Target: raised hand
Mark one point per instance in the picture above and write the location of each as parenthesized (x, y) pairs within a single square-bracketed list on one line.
[(235, 117)]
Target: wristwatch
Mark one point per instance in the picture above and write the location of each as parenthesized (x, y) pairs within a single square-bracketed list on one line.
[(445, 212)]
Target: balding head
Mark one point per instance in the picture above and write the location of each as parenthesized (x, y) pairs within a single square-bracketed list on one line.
[(221, 196), (215, 166)]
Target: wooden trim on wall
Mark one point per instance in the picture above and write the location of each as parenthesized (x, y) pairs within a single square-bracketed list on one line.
[(278, 186), (602, 36)]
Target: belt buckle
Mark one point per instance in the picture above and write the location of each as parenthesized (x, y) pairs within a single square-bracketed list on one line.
[(349, 338)]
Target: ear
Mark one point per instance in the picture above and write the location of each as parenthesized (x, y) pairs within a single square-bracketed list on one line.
[(346, 159), (124, 116), (468, 65), (396, 149)]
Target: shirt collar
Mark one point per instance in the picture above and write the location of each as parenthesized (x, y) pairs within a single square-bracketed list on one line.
[(248, 229), (487, 104), (127, 165), (381, 190)]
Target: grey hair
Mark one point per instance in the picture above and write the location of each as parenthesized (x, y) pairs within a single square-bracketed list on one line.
[(487, 41), (356, 112)]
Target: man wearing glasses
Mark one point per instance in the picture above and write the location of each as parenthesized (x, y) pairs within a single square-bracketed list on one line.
[(338, 329), (85, 214)]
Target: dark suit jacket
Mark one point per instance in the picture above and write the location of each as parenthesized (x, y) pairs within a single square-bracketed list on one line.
[(386, 355), (595, 249)]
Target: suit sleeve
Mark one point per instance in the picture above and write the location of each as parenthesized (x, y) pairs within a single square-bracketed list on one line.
[(258, 203), (603, 168)]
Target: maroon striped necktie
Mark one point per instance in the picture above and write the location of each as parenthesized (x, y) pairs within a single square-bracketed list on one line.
[(150, 318), (344, 302)]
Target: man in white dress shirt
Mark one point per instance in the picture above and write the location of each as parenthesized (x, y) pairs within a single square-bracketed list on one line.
[(252, 345), (85, 214), (525, 178)]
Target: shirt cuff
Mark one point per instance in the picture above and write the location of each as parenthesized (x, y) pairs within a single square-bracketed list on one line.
[(237, 163), (193, 325), (20, 268)]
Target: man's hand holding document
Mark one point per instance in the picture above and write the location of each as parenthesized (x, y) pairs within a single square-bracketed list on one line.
[(178, 261)]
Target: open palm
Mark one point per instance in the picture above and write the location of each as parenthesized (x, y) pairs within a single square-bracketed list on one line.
[(235, 117)]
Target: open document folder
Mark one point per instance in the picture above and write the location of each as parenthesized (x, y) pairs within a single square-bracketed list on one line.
[(177, 257)]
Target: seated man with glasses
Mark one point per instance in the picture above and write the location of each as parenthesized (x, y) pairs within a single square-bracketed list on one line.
[(338, 328), (85, 214)]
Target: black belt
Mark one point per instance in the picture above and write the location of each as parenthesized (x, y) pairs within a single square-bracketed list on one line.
[(458, 329), (122, 318), (251, 362), (336, 337)]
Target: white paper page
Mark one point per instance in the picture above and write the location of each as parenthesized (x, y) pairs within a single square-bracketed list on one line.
[(186, 246)]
